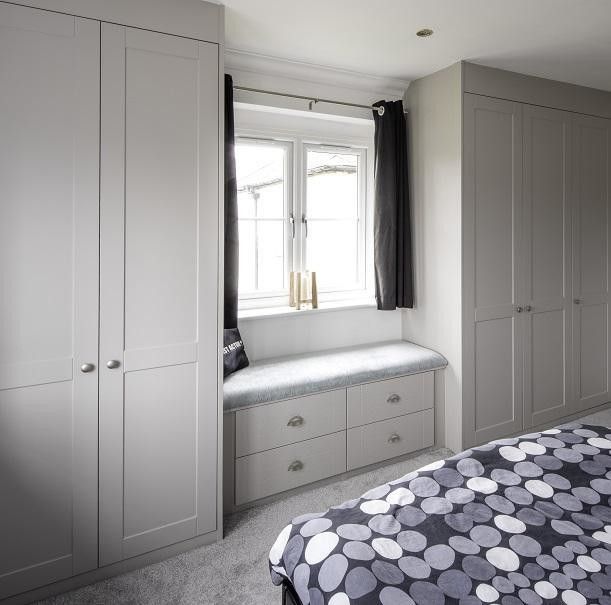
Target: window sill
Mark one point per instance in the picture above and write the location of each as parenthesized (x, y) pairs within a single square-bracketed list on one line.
[(343, 305)]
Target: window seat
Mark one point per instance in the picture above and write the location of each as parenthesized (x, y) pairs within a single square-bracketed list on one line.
[(297, 375)]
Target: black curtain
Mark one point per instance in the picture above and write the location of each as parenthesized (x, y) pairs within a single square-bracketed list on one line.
[(231, 214), (391, 220)]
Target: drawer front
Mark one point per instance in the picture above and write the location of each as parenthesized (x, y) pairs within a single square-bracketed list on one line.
[(275, 424), (390, 398), (275, 471), (389, 438)]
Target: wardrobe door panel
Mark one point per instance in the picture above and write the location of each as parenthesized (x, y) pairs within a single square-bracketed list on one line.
[(160, 439), (162, 107), (495, 389), (49, 149), (592, 328), (546, 254), (159, 290), (591, 168), (492, 218)]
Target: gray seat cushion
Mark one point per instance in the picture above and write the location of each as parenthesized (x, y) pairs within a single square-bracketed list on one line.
[(283, 378)]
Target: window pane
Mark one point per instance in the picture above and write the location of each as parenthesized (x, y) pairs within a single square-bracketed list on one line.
[(332, 184), (333, 253), (246, 205), (333, 248), (271, 255), (261, 169), (260, 172), (248, 273)]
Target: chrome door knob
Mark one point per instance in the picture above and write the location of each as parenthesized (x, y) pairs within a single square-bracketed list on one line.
[(519, 309), (113, 364), (87, 367)]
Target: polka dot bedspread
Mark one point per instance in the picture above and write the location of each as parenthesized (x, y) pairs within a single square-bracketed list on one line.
[(524, 520)]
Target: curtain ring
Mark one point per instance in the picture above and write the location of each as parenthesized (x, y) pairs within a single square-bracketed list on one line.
[(381, 110)]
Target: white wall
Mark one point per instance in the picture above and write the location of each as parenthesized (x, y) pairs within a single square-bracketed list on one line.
[(317, 330), (435, 115)]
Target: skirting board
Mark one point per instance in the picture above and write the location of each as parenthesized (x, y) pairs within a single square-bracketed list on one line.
[(115, 569)]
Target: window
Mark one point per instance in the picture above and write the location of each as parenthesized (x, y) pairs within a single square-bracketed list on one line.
[(262, 170), (333, 207), (301, 206)]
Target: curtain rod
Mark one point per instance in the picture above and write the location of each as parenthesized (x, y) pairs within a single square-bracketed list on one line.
[(312, 100)]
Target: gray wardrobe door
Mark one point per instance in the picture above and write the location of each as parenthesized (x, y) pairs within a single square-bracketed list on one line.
[(49, 202), (492, 213), (546, 258), (159, 289), (591, 167)]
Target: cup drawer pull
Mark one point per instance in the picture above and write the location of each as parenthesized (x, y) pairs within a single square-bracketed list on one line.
[(297, 465), (295, 421), (394, 398), (394, 438)]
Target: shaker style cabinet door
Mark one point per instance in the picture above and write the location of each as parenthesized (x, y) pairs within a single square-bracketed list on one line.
[(158, 308), (545, 291), (492, 213), (591, 198), (49, 203)]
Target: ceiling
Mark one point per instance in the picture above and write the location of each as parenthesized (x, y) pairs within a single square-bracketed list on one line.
[(568, 40)]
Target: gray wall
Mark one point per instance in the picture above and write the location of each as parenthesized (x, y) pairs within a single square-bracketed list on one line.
[(434, 108)]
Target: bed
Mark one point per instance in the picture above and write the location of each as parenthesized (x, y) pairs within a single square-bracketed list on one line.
[(525, 520)]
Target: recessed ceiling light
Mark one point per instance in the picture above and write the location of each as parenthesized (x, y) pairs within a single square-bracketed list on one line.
[(424, 33)]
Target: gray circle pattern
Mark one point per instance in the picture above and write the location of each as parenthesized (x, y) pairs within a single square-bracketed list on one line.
[(520, 521)]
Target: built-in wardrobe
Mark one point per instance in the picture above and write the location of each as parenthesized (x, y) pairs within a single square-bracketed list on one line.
[(526, 175), (109, 286)]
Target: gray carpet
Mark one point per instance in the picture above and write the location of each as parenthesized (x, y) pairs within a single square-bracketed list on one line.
[(234, 571)]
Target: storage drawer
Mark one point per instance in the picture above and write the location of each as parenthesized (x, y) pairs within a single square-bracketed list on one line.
[(389, 398), (275, 471), (389, 438), (275, 424)]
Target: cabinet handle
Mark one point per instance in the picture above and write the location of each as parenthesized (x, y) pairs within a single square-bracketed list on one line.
[(295, 421), (577, 301), (519, 309), (528, 308), (87, 367), (394, 438), (297, 465), (112, 364), (394, 398)]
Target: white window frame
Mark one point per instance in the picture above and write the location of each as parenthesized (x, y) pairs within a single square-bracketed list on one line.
[(258, 299), (298, 142), (329, 294)]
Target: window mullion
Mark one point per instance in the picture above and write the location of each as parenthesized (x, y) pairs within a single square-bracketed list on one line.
[(256, 223), (298, 207), (289, 200), (303, 211)]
